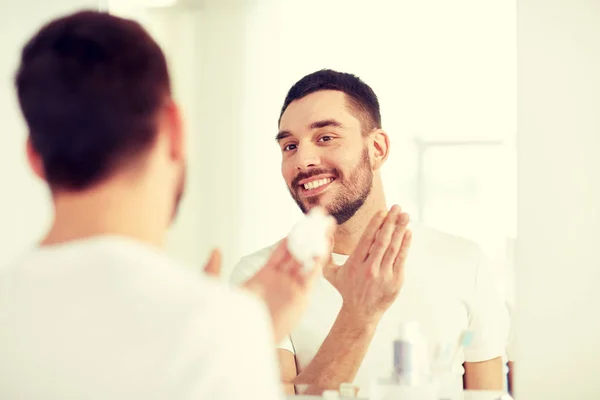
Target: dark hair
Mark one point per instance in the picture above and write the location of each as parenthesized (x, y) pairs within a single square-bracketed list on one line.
[(361, 98), (90, 85)]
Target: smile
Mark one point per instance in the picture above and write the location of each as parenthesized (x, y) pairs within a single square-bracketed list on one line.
[(316, 186)]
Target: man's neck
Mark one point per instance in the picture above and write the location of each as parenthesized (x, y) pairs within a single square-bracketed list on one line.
[(115, 211), (348, 235)]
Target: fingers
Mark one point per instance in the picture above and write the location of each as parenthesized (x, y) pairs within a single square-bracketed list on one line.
[(383, 237), (282, 260), (213, 265), (283, 272), (368, 237), (403, 253), (389, 258), (299, 275)]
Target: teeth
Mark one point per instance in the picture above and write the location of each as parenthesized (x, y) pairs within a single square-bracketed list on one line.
[(316, 184)]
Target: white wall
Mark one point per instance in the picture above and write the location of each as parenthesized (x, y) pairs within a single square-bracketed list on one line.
[(24, 204), (222, 55), (558, 271)]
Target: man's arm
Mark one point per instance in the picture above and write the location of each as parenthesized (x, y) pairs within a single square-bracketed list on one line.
[(283, 288), (340, 355), (484, 375), (484, 369), (369, 282), (257, 367), (336, 362), (287, 366), (511, 365)]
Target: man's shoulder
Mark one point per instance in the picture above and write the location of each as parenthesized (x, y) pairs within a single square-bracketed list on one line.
[(121, 266), (228, 308), (428, 237), (249, 264), (435, 251), (209, 293)]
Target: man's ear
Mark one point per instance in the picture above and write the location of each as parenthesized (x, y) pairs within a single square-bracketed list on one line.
[(380, 147), (172, 122), (35, 160)]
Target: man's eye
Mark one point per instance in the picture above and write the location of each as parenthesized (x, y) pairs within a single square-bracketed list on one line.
[(325, 138), (289, 147)]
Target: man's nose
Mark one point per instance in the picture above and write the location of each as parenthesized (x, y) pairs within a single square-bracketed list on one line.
[(307, 157)]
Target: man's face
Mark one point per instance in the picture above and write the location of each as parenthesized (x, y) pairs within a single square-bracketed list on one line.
[(325, 160)]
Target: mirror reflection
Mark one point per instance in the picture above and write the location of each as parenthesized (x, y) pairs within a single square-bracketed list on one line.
[(397, 120)]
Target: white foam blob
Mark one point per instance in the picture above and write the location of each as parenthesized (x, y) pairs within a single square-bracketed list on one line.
[(308, 238)]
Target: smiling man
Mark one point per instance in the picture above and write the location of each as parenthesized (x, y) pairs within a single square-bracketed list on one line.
[(333, 147)]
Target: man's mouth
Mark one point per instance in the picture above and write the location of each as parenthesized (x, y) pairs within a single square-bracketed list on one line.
[(315, 186)]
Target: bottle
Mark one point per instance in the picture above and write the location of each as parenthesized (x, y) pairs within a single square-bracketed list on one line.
[(407, 354), (408, 379)]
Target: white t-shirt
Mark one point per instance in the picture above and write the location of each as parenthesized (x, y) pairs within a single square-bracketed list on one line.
[(448, 289), (112, 318)]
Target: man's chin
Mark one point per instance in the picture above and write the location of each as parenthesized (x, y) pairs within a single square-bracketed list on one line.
[(308, 203), (307, 207)]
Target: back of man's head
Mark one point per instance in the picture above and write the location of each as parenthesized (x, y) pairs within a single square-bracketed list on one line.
[(90, 86)]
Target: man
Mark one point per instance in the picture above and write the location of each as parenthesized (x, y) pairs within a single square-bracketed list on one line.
[(97, 310), (333, 147)]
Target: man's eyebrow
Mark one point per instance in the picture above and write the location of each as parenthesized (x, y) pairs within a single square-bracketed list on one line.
[(315, 125), (282, 135), (325, 123)]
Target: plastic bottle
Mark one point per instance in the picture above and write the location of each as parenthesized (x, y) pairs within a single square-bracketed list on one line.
[(407, 354)]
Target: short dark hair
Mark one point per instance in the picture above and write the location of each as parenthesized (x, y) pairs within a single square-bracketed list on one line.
[(90, 86), (362, 100)]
